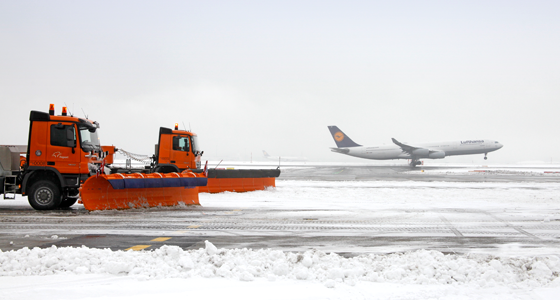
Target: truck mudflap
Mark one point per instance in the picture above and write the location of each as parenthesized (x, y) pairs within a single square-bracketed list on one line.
[(123, 191), (242, 180)]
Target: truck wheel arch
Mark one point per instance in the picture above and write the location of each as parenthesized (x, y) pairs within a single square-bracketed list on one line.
[(38, 174)]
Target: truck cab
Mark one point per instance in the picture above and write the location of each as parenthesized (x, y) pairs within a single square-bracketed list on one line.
[(177, 150)]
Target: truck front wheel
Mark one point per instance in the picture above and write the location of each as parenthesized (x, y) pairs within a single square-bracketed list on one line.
[(44, 195)]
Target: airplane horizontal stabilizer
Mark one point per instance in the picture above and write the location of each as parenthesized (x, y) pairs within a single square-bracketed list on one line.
[(340, 150)]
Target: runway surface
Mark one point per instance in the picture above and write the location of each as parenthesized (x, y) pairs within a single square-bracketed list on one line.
[(448, 173), (308, 211)]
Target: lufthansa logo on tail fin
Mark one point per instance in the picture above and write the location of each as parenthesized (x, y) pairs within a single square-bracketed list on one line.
[(339, 136)]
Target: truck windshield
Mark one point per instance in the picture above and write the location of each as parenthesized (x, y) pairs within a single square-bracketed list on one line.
[(89, 139), (195, 144)]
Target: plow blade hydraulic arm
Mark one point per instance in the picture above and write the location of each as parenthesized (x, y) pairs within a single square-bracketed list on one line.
[(122, 191)]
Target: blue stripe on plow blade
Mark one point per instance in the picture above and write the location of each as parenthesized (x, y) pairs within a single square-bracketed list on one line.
[(140, 183)]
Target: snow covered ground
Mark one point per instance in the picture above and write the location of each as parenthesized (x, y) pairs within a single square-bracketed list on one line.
[(213, 273)]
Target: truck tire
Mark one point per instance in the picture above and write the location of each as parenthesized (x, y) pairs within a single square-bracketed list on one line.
[(69, 198), (44, 195), (67, 202)]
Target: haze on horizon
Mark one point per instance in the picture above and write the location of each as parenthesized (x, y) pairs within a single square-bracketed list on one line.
[(248, 76)]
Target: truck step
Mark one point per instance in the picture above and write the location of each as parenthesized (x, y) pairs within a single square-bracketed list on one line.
[(10, 187)]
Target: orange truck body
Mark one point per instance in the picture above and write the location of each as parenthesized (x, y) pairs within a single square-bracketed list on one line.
[(177, 148), (50, 147)]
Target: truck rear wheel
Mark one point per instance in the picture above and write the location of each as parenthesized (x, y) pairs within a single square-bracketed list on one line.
[(44, 195)]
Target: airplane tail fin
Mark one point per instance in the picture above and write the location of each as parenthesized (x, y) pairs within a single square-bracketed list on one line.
[(341, 139), (265, 154)]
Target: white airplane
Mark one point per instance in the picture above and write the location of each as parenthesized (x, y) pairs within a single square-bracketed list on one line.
[(413, 152), (283, 158)]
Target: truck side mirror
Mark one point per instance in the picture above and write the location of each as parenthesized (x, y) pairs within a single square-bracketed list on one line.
[(70, 141), (87, 147)]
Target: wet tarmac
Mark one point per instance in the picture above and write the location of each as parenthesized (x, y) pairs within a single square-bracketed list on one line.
[(443, 229)]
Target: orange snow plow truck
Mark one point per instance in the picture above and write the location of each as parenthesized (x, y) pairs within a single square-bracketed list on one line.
[(178, 151), (174, 153), (64, 162)]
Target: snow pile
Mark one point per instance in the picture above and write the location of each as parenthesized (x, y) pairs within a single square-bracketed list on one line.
[(419, 267)]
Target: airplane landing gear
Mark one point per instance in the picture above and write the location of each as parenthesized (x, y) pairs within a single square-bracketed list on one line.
[(485, 158), (414, 162)]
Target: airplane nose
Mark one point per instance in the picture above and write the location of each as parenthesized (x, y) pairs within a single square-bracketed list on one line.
[(500, 146)]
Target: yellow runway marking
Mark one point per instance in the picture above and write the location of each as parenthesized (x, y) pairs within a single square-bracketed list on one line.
[(138, 247), (189, 227), (160, 239)]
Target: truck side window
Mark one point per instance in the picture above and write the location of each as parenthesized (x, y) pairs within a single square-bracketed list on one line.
[(181, 143), (63, 135)]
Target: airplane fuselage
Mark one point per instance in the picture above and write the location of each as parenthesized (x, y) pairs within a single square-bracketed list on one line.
[(430, 150)]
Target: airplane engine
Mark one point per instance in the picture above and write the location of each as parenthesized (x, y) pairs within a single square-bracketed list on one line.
[(421, 153), (437, 154)]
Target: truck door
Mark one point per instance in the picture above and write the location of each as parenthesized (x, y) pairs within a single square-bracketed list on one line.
[(180, 153), (61, 149)]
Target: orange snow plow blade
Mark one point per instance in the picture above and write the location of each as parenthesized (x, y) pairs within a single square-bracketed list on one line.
[(242, 180), (123, 191)]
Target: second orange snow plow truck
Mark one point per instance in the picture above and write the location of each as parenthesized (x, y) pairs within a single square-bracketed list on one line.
[(64, 161), (178, 151)]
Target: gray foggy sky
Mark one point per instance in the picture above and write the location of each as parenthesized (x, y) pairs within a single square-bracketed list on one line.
[(271, 75)]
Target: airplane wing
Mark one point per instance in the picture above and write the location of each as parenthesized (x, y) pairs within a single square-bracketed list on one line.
[(418, 151), (406, 148)]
